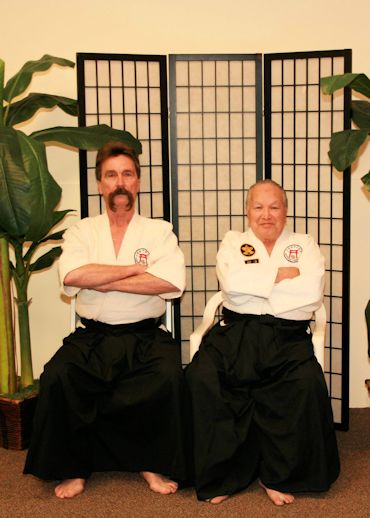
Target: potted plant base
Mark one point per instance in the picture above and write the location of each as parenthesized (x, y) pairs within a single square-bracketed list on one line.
[(16, 419)]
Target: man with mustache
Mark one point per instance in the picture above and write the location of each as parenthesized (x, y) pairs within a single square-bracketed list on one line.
[(111, 397)]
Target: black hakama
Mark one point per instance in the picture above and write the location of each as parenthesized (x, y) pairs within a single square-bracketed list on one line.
[(260, 409), (110, 399)]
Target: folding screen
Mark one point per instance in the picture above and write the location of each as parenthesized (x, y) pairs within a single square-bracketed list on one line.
[(216, 154), (299, 121)]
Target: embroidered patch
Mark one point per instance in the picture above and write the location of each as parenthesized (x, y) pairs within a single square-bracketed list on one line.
[(292, 253), (141, 256), (247, 250)]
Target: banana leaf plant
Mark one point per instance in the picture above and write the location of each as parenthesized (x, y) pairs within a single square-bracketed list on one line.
[(29, 196), (345, 145)]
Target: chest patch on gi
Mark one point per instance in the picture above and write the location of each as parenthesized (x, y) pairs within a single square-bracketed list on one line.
[(141, 256), (292, 253), (247, 250)]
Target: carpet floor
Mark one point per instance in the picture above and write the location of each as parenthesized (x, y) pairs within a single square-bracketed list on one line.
[(126, 495)]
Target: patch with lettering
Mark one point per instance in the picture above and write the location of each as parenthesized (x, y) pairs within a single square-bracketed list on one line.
[(141, 256), (247, 250), (251, 261), (292, 253)]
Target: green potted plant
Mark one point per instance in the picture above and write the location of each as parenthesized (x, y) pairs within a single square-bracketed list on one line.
[(345, 145), (29, 197)]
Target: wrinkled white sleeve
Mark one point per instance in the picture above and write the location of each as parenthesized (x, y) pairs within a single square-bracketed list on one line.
[(304, 292), (167, 261), (241, 282), (75, 254)]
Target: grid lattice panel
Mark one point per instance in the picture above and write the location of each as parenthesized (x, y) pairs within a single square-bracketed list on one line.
[(299, 124), (216, 155), (127, 93)]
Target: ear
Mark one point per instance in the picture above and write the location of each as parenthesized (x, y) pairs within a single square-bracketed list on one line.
[(98, 183)]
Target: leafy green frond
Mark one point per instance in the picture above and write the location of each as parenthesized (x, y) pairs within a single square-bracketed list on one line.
[(25, 109), (366, 180), (2, 74), (20, 81), (89, 138), (15, 185), (361, 114), (58, 215), (46, 260), (344, 147), (45, 193), (358, 82), (367, 316), (56, 236)]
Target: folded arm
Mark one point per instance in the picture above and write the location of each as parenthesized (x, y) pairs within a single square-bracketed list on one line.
[(91, 276), (142, 284)]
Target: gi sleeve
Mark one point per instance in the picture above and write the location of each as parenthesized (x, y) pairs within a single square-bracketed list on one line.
[(304, 292), (74, 255), (167, 261)]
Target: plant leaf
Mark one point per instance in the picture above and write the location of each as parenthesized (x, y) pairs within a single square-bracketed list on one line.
[(89, 137), (55, 217), (25, 109), (20, 81), (46, 260), (15, 185), (358, 82), (361, 114), (367, 316), (45, 193), (366, 180), (58, 215), (344, 146), (56, 236), (330, 84)]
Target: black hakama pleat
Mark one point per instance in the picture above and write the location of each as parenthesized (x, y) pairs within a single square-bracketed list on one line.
[(260, 408), (111, 398)]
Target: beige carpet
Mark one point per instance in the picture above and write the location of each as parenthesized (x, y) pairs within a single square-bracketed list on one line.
[(125, 495)]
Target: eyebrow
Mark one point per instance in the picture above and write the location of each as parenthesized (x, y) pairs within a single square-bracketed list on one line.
[(126, 170)]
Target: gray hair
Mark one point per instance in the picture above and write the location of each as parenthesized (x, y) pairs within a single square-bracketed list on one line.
[(262, 182)]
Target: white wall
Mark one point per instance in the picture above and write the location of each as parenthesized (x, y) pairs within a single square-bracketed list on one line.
[(31, 29)]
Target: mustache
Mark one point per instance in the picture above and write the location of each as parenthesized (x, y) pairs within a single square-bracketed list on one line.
[(119, 191)]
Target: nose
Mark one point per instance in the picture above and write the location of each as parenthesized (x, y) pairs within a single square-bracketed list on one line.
[(266, 213), (120, 180)]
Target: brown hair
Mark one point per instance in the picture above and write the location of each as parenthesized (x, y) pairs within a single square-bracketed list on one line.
[(115, 149)]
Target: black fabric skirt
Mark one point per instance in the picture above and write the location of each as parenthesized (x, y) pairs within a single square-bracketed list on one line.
[(260, 408), (110, 399)]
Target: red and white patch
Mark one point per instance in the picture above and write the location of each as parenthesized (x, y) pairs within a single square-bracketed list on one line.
[(141, 256), (292, 253)]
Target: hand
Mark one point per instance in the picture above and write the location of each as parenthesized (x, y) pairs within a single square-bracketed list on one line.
[(286, 272), (139, 268)]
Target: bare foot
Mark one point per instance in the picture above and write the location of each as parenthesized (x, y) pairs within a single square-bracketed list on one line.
[(218, 499), (277, 497), (159, 483), (70, 487)]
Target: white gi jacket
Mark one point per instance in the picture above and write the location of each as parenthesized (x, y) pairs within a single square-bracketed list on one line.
[(150, 241), (247, 275)]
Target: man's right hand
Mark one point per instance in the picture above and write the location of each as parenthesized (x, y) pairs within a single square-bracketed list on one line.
[(286, 272)]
